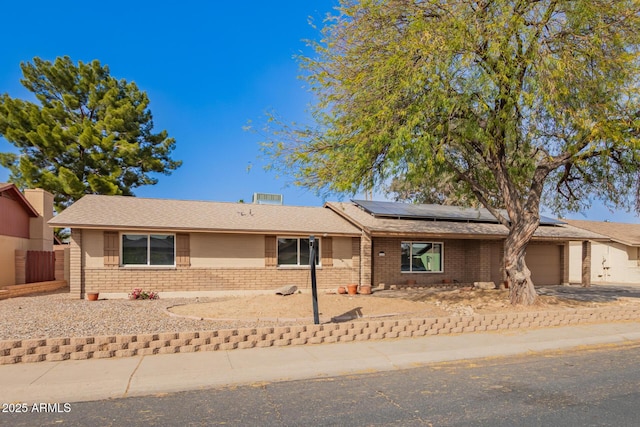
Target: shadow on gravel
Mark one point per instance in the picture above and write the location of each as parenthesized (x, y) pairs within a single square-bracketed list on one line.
[(595, 293), (356, 313)]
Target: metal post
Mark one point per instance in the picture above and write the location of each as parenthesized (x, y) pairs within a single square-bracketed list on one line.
[(314, 288)]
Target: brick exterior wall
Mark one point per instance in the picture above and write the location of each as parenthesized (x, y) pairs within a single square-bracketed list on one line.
[(465, 261), (118, 280), (366, 260), (76, 273), (112, 278), (31, 288), (564, 263), (586, 263)]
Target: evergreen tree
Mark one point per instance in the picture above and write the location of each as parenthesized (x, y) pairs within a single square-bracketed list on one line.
[(89, 134)]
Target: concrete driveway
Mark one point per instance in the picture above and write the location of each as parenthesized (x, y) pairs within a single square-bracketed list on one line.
[(594, 293)]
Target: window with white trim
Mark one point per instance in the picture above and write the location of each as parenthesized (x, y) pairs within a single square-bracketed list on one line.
[(294, 251), (421, 257), (148, 249)]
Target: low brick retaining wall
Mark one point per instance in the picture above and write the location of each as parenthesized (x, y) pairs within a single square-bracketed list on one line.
[(58, 349), (31, 288)]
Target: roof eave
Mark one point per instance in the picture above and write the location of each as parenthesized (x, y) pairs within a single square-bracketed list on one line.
[(458, 236), (205, 230)]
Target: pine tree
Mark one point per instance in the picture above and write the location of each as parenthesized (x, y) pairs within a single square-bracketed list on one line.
[(89, 133)]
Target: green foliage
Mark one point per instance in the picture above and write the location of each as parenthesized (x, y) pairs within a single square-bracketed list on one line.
[(90, 133), (508, 103)]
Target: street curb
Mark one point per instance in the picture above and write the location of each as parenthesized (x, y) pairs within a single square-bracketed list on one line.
[(99, 347)]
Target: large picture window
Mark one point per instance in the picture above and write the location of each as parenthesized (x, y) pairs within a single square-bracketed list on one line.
[(293, 251), (421, 257), (148, 249)]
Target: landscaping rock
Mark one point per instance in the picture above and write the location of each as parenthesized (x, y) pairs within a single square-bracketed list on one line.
[(286, 290), (484, 285)]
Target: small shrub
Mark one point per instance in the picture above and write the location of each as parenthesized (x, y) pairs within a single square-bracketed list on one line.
[(138, 293)]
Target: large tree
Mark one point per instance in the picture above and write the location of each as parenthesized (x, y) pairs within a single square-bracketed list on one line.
[(90, 133), (509, 103)]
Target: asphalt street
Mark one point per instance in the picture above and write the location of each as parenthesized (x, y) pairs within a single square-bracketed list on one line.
[(595, 386)]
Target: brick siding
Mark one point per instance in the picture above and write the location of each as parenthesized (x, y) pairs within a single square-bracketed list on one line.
[(75, 264), (31, 288), (111, 280), (465, 261)]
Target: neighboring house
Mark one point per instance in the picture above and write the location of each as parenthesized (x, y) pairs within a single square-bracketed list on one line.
[(182, 247), (23, 227), (614, 261), (431, 244)]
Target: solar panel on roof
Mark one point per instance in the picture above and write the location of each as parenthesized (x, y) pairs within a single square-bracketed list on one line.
[(434, 212)]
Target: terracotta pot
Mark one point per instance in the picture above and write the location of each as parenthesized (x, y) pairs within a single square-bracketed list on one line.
[(342, 290), (352, 289), (411, 282), (446, 281), (365, 289), (92, 296)]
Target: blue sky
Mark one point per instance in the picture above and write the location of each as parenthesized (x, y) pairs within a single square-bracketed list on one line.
[(208, 67)]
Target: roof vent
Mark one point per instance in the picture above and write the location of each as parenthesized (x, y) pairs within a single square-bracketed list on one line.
[(267, 199)]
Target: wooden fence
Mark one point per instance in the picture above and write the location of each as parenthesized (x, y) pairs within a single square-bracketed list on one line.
[(40, 266)]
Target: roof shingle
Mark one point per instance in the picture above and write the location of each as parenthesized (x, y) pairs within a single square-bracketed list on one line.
[(121, 212)]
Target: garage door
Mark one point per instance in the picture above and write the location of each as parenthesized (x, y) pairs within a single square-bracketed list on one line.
[(544, 263)]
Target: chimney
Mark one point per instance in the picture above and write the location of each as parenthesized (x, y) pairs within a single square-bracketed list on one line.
[(41, 233)]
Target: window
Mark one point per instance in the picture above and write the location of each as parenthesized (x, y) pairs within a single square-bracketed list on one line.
[(295, 252), (421, 257), (148, 249)]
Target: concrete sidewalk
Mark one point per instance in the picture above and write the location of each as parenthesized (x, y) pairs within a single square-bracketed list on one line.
[(95, 379)]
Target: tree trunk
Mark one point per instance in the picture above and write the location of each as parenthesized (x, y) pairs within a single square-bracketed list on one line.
[(521, 289)]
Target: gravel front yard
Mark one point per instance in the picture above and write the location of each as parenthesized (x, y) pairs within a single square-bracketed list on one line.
[(58, 315)]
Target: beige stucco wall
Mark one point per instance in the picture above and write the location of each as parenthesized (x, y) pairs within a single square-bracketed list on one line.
[(217, 250), (575, 262), (93, 248), (610, 263), (226, 250), (8, 246), (342, 254)]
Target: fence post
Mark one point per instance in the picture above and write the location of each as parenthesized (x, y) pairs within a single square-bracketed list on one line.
[(21, 267)]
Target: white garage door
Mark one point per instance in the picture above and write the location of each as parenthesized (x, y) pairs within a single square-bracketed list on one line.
[(544, 263)]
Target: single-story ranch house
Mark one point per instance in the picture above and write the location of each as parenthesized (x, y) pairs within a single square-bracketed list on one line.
[(613, 261), (179, 247)]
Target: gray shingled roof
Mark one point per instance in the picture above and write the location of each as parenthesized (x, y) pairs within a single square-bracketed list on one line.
[(452, 229), (627, 234), (119, 212)]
